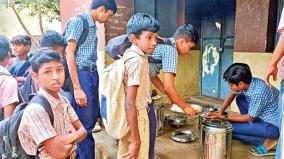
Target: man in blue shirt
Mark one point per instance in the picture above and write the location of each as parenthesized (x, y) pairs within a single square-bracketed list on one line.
[(258, 104), (83, 70)]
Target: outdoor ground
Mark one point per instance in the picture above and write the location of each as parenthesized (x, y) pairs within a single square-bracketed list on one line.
[(166, 148)]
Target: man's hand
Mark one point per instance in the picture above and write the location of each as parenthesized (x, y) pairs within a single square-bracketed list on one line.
[(188, 110), (271, 71), (215, 116), (132, 151), (80, 97)]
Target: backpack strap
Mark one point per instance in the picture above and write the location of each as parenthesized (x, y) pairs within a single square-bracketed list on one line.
[(127, 57), (41, 100), (153, 60), (165, 41), (85, 31)]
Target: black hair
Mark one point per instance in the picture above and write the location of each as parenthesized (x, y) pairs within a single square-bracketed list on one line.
[(142, 22), (188, 32), (238, 72), (52, 38), (108, 4), (4, 48), (43, 56), (21, 39)]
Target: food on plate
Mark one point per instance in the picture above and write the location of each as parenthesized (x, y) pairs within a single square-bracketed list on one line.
[(197, 108), (177, 109)]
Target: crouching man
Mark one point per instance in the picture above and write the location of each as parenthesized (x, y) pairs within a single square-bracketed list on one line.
[(258, 105)]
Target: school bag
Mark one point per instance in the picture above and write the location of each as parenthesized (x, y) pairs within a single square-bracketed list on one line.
[(10, 146), (112, 98), (85, 31), (117, 46), (20, 69), (28, 88)]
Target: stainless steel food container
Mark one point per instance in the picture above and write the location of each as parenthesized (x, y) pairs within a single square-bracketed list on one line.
[(207, 109), (215, 139), (159, 112)]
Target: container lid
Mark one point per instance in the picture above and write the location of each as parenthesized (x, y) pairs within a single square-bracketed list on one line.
[(217, 123), (177, 119)]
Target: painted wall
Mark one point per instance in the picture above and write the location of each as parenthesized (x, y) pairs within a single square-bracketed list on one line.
[(258, 63), (187, 80), (71, 8)]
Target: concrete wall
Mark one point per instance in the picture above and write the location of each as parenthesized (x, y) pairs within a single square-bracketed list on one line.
[(258, 63)]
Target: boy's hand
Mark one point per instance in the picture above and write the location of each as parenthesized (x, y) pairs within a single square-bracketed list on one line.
[(271, 71), (215, 116), (132, 151), (188, 110), (80, 97)]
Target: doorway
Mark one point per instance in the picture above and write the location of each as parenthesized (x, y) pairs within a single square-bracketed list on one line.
[(217, 39)]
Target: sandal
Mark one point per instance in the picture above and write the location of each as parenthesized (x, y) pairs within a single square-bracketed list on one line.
[(260, 150)]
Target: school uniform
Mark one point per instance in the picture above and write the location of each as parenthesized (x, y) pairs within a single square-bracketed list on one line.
[(137, 74), (165, 58), (35, 126), (86, 57), (20, 67), (8, 88), (260, 102)]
